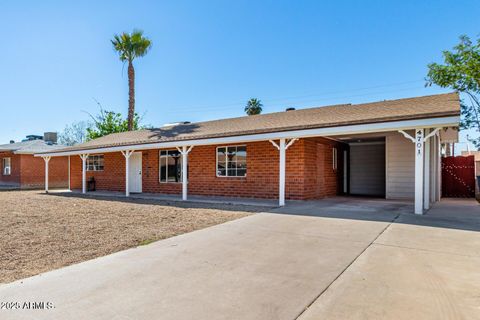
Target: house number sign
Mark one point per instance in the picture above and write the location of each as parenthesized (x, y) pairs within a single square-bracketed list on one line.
[(419, 142)]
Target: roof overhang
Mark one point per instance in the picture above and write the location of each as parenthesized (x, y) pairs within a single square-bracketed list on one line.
[(451, 121), (16, 151), (24, 152)]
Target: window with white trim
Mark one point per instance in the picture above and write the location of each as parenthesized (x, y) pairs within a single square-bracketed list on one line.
[(232, 161), (335, 158), (170, 166), (95, 163), (7, 166)]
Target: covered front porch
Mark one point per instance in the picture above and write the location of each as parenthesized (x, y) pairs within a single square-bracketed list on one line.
[(423, 137)]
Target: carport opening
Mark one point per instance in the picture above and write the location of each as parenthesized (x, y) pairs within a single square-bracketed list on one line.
[(365, 174)]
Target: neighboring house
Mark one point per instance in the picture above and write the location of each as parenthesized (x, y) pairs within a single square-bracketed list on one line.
[(386, 149), (20, 169)]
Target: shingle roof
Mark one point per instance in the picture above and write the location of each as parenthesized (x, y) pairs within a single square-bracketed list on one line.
[(320, 117), (30, 147)]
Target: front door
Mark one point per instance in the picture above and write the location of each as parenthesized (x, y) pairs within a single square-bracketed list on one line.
[(135, 172)]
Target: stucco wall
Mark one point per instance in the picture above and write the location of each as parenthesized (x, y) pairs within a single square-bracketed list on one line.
[(400, 162)]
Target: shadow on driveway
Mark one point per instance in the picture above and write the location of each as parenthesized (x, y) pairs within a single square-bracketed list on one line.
[(461, 214)]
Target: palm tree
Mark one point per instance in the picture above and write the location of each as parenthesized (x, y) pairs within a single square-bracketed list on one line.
[(254, 106), (129, 47)]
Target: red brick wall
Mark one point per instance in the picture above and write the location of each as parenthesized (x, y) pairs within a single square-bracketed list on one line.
[(151, 178), (322, 179), (302, 172), (32, 174), (332, 178), (111, 178), (261, 180), (14, 177), (29, 172)]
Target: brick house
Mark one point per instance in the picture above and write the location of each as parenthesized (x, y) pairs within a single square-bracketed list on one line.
[(388, 149), (20, 169)]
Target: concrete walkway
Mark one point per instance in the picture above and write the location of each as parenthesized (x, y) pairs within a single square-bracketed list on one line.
[(321, 260), (170, 197)]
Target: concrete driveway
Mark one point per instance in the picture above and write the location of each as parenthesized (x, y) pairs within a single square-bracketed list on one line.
[(420, 267), (331, 259)]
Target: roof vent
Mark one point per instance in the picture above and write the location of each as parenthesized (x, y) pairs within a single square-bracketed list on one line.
[(50, 137), (12, 141), (290, 109)]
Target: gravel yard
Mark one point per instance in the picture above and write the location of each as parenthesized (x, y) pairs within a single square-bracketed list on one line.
[(40, 232)]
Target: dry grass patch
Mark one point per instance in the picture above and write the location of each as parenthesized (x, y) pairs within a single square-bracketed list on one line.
[(42, 232)]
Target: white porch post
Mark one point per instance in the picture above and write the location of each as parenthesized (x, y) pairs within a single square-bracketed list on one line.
[(422, 168), (433, 179), (282, 147), (127, 174), (345, 170), (439, 168), (47, 160), (184, 151), (127, 154), (419, 159), (184, 172), (84, 172), (69, 183), (426, 176), (281, 189)]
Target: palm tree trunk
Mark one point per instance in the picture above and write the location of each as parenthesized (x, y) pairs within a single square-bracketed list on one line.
[(131, 95)]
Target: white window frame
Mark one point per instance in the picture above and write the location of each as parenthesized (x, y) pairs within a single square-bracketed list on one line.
[(90, 158), (6, 168), (226, 161), (334, 158), (160, 167)]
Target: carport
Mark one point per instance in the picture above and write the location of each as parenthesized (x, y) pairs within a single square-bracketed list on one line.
[(394, 165)]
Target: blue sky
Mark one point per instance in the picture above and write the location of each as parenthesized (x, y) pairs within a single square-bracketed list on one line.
[(209, 57)]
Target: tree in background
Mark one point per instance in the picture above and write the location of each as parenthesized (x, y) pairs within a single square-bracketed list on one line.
[(74, 134), (254, 106), (461, 72), (129, 47), (108, 122)]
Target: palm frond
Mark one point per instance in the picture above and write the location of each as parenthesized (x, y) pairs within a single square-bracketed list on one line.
[(253, 106), (131, 46)]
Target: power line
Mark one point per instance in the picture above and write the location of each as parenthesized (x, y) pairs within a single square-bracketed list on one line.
[(284, 99), (342, 91), (313, 101)]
